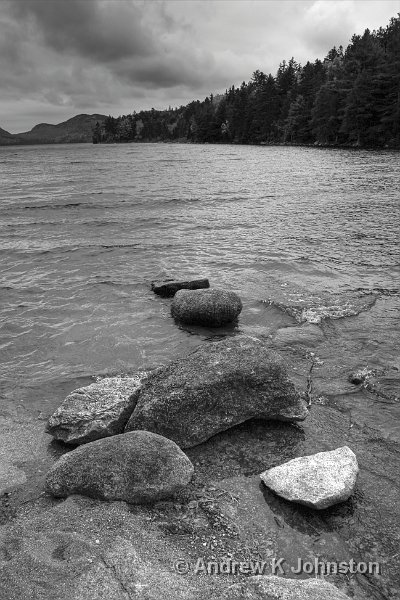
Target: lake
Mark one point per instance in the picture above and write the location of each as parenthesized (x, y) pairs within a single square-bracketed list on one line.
[(304, 235)]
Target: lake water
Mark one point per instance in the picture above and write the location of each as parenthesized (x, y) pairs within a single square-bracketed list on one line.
[(302, 234)]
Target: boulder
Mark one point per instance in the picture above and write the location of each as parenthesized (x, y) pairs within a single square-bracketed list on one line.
[(271, 587), (168, 288), (318, 481), (218, 386), (210, 308), (96, 411), (137, 467)]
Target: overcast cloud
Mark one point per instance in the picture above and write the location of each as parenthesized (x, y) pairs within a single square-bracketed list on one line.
[(59, 58)]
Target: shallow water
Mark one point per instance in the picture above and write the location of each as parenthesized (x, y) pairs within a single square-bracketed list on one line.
[(302, 234)]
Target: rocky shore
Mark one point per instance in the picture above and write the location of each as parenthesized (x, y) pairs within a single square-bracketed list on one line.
[(239, 408)]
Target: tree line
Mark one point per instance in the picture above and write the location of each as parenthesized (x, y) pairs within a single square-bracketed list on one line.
[(351, 98)]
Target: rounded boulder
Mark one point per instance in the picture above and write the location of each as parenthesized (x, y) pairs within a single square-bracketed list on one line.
[(136, 467), (207, 307)]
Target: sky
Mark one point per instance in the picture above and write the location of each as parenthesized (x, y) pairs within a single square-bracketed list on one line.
[(59, 58)]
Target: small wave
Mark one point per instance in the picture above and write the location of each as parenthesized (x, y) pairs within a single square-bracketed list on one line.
[(61, 206), (18, 288), (51, 206), (183, 200), (172, 160), (111, 246), (380, 291), (107, 282)]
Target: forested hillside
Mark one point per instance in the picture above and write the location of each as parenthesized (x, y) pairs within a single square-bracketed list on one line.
[(351, 97)]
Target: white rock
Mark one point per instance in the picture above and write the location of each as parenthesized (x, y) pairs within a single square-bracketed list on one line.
[(271, 587), (319, 481)]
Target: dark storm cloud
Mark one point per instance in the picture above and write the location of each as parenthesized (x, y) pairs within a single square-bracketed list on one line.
[(104, 31), (134, 41), (62, 57)]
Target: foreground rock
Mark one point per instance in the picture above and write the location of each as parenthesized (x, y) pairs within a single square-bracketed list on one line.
[(96, 411), (210, 308), (169, 287), (82, 549), (216, 387), (136, 467), (319, 481), (63, 553), (280, 588)]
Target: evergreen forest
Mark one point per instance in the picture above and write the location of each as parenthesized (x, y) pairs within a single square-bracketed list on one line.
[(350, 98)]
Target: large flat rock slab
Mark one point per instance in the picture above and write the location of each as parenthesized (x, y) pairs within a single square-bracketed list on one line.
[(88, 550), (216, 387), (307, 335), (23, 441)]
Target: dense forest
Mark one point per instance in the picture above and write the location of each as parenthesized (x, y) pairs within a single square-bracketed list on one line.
[(350, 98)]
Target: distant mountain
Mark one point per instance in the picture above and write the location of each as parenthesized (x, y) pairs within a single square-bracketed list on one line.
[(7, 139), (76, 130)]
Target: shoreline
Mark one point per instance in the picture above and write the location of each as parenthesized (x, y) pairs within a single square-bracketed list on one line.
[(186, 141), (226, 511)]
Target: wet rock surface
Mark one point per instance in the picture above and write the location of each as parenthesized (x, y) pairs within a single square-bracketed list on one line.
[(137, 467), (226, 511), (58, 551), (210, 308), (23, 449), (87, 550), (308, 335), (169, 287), (216, 387), (319, 481), (95, 411)]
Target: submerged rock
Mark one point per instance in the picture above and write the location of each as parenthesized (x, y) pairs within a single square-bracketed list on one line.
[(218, 386), (308, 335), (169, 287), (136, 467), (210, 308), (96, 411), (361, 376), (318, 481), (271, 587)]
